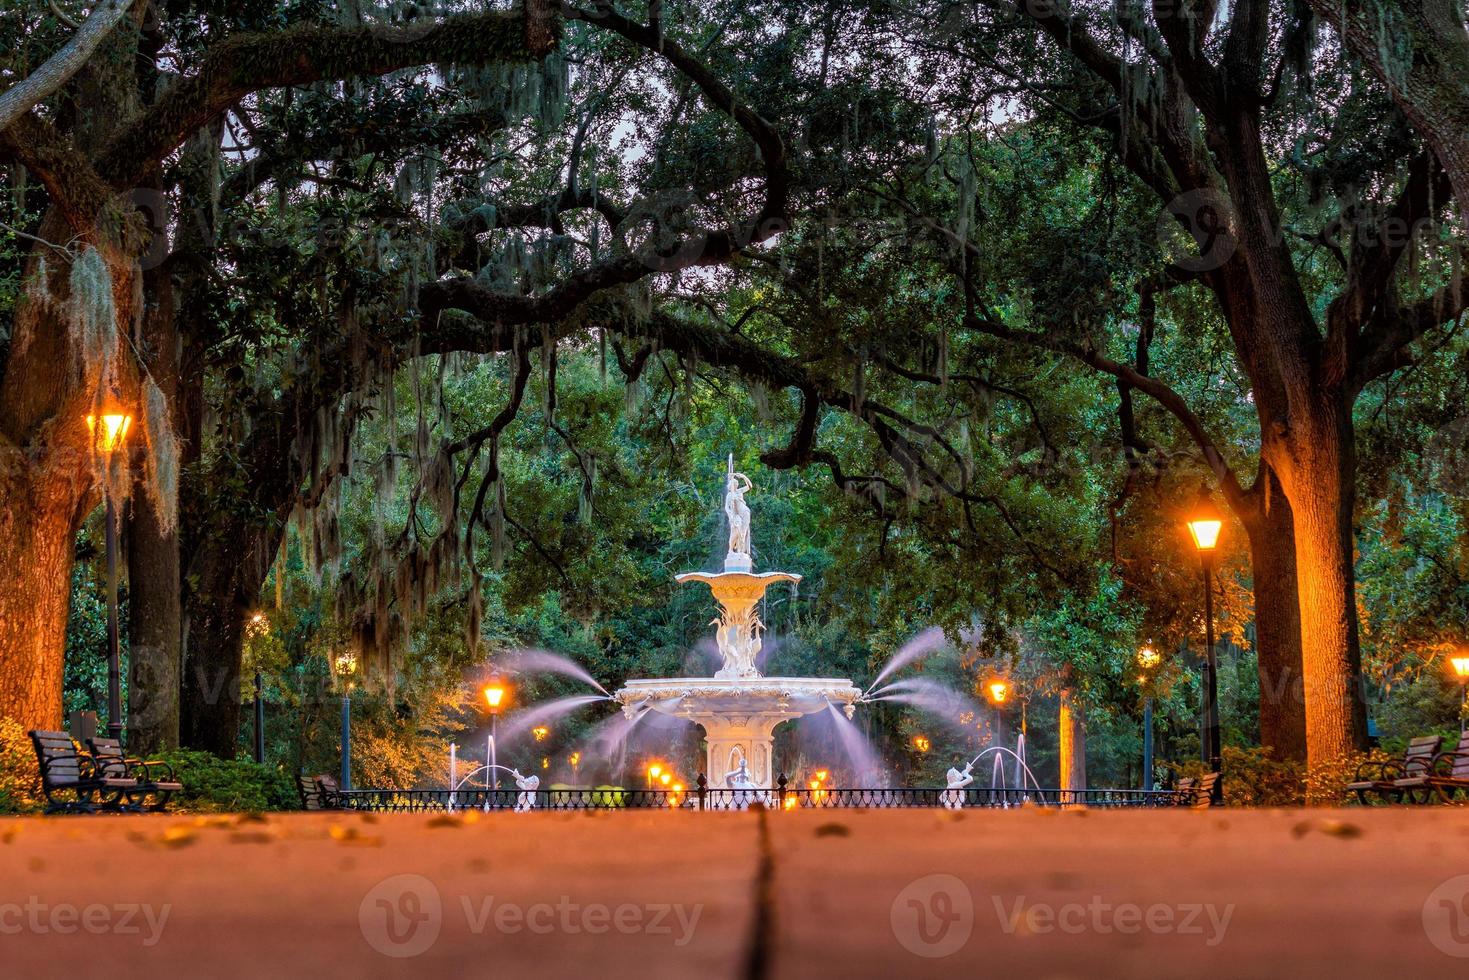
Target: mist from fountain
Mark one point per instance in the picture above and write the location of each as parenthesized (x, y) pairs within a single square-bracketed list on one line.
[(608, 740), (945, 704), (863, 756), (520, 723), (925, 643), (529, 660)]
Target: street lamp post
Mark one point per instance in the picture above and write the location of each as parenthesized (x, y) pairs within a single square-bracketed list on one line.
[(345, 666), (1204, 526), (109, 431), (254, 629), (1147, 659), (1461, 669), (494, 694)]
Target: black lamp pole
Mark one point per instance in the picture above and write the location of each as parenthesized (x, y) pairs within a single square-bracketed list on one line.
[(259, 719), (114, 652), (1211, 671)]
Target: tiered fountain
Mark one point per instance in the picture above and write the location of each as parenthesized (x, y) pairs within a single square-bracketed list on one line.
[(738, 707)]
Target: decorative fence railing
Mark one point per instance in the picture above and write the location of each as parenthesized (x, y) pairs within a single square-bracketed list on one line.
[(780, 798)]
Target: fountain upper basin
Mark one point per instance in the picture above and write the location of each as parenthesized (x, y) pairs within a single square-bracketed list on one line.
[(701, 698)]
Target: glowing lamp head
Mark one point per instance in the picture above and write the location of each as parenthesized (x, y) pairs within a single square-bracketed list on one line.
[(1205, 523), (1461, 666), (666, 778), (109, 431), (821, 774), (655, 770), (1148, 658), (998, 691), (494, 695)]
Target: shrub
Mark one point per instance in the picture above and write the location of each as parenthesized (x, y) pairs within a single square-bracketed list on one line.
[(1326, 784), (1253, 778), (20, 784), (212, 784)]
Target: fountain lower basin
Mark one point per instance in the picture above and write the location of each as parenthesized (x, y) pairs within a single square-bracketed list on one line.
[(738, 715)]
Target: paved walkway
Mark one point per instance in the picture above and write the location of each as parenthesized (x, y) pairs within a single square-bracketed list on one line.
[(850, 893)]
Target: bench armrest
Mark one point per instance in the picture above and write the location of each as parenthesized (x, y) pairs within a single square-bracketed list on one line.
[(145, 768), (1378, 771), (1443, 763)]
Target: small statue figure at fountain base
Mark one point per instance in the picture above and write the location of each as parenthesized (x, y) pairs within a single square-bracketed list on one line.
[(526, 799), (953, 797)]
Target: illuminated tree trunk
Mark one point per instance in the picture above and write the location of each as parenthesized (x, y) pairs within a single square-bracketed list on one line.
[(38, 523), (1317, 470), (1072, 743), (1267, 522), (46, 479)]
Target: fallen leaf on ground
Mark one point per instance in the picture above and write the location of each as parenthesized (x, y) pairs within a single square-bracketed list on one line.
[(178, 835), (833, 830), (1327, 825), (354, 837)]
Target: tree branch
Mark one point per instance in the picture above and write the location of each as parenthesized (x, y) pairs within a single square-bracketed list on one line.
[(247, 63), (58, 69)]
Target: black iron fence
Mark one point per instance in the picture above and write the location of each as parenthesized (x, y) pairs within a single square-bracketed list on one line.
[(780, 798)]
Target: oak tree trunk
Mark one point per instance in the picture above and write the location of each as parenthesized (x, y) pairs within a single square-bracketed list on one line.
[(1271, 531), (38, 524), (1317, 468), (1072, 743), (47, 477), (155, 629)]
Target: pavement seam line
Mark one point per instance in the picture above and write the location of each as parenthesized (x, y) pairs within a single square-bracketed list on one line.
[(762, 937)]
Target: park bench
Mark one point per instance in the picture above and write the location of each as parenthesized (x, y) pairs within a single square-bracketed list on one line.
[(1446, 775), (156, 781), (1196, 793), (1380, 777), (66, 771), (319, 792)]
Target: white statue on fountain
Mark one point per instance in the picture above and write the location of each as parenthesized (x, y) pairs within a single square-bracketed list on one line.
[(953, 797), (528, 786), (747, 791), (736, 485)]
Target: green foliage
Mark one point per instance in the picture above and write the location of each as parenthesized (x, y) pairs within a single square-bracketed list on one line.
[(1253, 778), (212, 784), (20, 784)]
